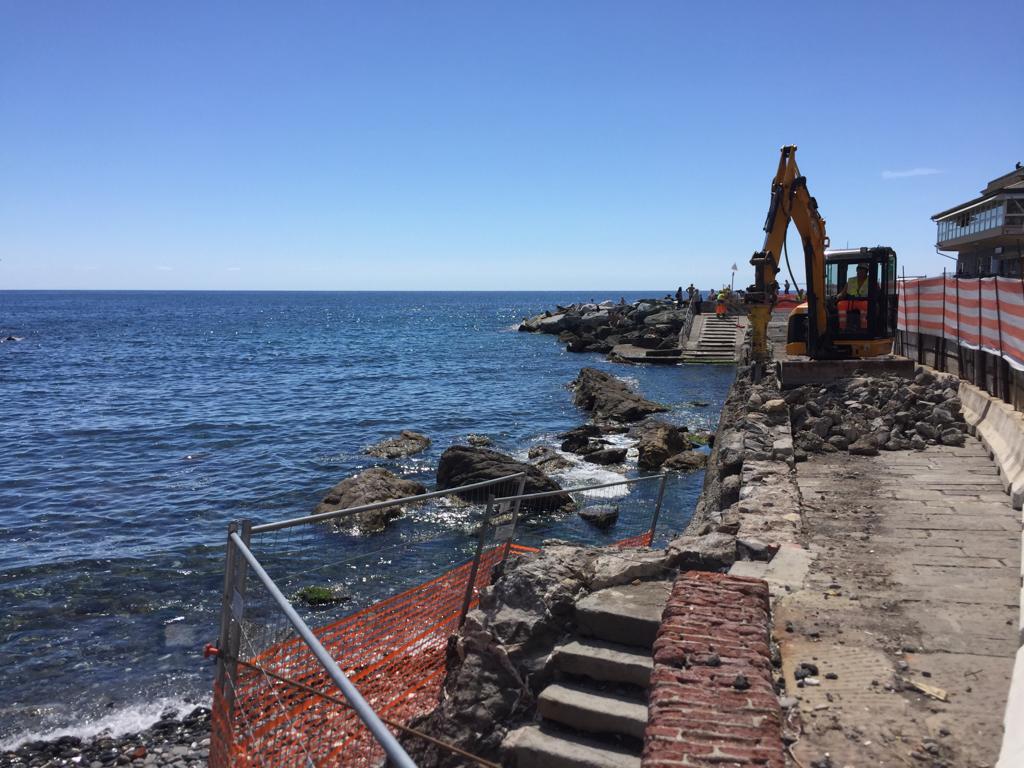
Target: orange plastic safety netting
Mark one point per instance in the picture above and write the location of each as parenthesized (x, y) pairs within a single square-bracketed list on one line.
[(394, 653)]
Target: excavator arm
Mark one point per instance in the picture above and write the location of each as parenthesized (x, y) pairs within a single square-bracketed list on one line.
[(790, 201)]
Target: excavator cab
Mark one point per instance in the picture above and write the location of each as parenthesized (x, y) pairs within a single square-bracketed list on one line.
[(860, 305)]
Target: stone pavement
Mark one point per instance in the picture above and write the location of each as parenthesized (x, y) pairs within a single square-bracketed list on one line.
[(914, 579)]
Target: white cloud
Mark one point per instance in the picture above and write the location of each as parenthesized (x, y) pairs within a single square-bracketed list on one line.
[(165, 269), (909, 173)]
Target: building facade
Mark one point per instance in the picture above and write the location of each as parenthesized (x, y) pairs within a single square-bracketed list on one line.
[(987, 233)]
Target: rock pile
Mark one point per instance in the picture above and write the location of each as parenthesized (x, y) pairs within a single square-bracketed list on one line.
[(169, 743), (648, 323), (864, 415)]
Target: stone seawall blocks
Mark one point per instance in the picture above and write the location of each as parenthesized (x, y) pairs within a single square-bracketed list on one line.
[(711, 699)]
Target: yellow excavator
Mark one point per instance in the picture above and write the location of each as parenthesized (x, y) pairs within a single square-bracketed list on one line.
[(851, 295)]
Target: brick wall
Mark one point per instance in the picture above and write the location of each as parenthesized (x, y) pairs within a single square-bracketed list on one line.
[(711, 700)]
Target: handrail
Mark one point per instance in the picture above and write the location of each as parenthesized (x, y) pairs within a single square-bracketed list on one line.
[(543, 494), (384, 737), (378, 505)]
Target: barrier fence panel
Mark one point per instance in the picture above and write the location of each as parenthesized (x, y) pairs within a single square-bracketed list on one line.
[(977, 313), (274, 704)]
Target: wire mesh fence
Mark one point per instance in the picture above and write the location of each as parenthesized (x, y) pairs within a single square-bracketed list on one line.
[(275, 704)]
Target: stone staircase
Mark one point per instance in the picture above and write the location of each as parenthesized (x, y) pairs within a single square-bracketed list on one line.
[(718, 339), (595, 712)]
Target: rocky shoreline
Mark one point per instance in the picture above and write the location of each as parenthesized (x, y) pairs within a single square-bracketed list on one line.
[(171, 742)]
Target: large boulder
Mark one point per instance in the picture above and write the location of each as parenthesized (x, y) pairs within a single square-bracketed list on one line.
[(609, 399), (710, 552), (369, 487), (405, 443), (465, 465), (606, 456), (686, 461), (600, 515), (673, 317), (657, 442)]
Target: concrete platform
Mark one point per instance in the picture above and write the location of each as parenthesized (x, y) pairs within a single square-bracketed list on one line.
[(797, 371), (913, 582)]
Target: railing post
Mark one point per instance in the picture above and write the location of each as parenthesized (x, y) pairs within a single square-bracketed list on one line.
[(231, 613), (657, 510), (475, 567), (515, 517)]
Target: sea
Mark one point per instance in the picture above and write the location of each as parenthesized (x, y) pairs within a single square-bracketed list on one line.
[(137, 425)]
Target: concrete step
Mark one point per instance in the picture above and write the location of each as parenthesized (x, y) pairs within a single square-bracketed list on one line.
[(536, 747), (628, 615), (606, 662), (593, 711)]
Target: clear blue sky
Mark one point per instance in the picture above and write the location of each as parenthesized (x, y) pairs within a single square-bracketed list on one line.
[(477, 145)]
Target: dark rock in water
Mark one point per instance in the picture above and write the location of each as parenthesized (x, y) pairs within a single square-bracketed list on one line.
[(405, 444), (608, 398), (479, 441), (600, 515), (323, 596), (606, 456), (687, 461), (578, 440), (369, 487), (547, 459), (465, 465), (658, 441)]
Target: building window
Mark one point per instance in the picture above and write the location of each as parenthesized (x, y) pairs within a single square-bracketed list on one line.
[(980, 219)]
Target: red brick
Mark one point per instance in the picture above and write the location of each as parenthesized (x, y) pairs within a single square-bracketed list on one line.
[(697, 718)]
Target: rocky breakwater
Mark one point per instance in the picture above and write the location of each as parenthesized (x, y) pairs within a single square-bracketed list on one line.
[(649, 324), (865, 415)]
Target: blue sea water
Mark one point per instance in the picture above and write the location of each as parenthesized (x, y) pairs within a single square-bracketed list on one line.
[(136, 425)]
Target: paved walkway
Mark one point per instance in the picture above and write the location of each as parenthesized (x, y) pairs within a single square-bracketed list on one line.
[(915, 576)]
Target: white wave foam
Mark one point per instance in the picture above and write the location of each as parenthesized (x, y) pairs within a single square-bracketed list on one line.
[(130, 719)]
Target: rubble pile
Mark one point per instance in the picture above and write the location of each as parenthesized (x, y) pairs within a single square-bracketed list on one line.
[(864, 415)]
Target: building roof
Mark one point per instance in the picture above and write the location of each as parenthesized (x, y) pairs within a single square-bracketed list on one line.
[(1008, 182)]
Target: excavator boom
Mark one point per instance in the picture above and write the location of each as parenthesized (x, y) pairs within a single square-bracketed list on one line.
[(832, 325)]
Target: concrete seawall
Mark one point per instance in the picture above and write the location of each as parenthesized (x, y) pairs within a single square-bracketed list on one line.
[(888, 573)]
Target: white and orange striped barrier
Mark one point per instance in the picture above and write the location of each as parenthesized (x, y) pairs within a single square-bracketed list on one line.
[(985, 313)]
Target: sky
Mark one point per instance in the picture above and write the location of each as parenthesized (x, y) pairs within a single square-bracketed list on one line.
[(479, 145)]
